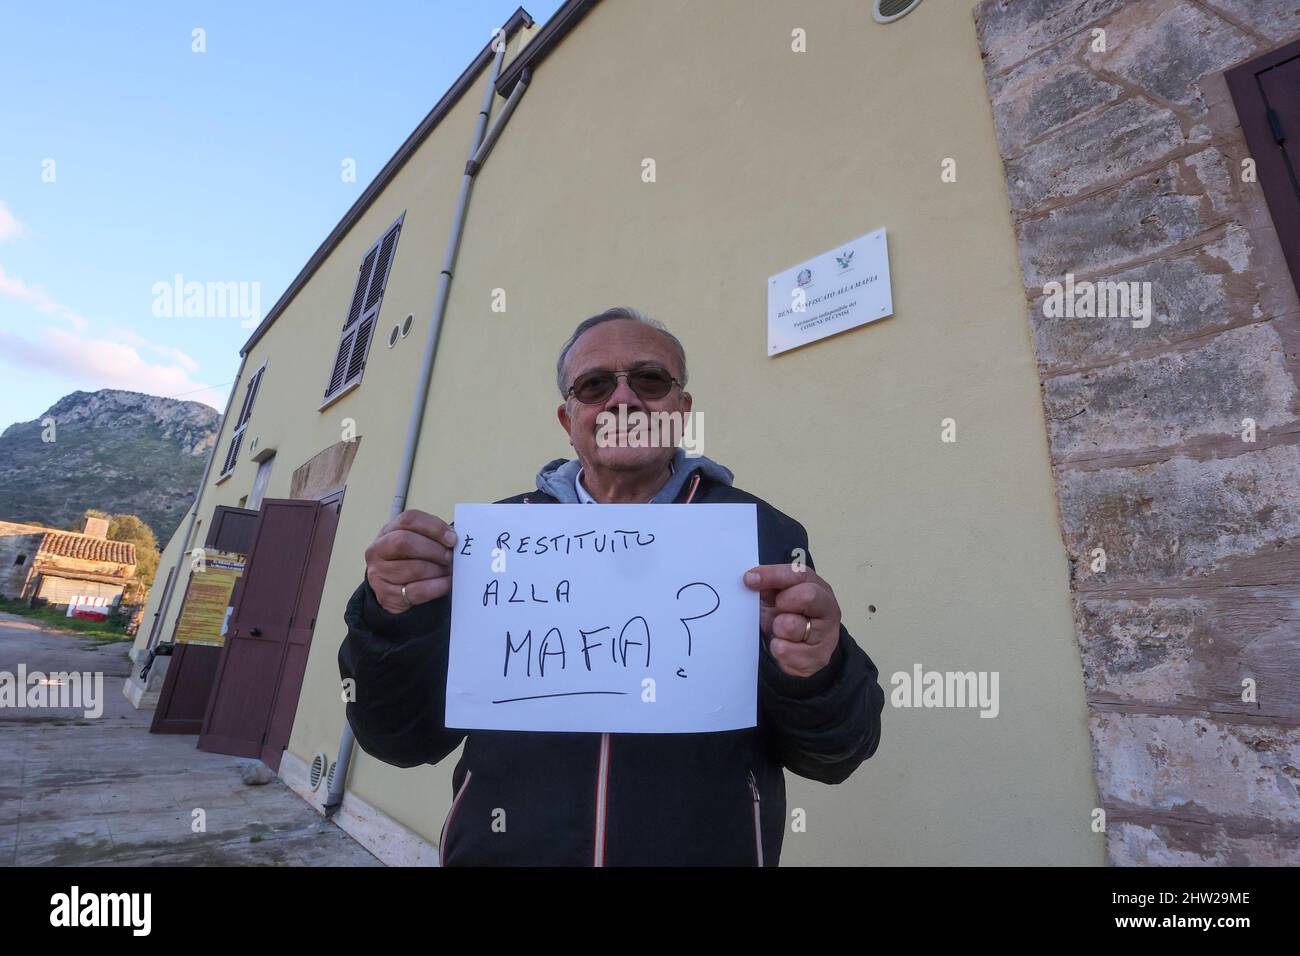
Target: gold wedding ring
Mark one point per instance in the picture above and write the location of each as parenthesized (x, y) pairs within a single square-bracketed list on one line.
[(807, 629)]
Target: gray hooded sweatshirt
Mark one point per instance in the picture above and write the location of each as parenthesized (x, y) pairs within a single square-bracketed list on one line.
[(558, 478)]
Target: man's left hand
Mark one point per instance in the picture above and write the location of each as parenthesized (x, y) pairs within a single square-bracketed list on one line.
[(788, 599)]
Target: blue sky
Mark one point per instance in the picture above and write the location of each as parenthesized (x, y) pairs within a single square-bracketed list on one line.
[(222, 166)]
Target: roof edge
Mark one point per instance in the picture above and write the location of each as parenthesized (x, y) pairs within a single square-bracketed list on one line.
[(519, 19), (547, 39)]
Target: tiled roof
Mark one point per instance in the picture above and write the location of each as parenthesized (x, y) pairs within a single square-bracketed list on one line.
[(70, 544)]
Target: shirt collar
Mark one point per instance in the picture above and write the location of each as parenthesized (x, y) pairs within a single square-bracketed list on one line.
[(584, 496)]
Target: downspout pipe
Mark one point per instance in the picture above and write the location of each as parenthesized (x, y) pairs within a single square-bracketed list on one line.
[(194, 510), (484, 140)]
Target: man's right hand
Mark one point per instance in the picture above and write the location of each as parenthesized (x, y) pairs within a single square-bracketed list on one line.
[(414, 549)]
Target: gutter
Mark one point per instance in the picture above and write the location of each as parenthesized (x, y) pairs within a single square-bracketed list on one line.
[(480, 147), (548, 38), (519, 19)]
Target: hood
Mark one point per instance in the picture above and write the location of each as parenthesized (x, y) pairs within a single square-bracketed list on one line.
[(557, 477)]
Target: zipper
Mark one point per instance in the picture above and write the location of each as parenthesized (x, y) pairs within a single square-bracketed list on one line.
[(602, 795), (758, 820), (602, 769), (446, 826)]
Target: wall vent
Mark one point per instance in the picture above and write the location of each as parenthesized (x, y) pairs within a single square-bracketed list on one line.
[(318, 764), (887, 11)]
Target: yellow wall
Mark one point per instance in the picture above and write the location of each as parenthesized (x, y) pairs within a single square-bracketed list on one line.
[(167, 560), (764, 158)]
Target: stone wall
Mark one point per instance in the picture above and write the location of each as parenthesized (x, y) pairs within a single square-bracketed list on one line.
[(17, 540), (1123, 163)]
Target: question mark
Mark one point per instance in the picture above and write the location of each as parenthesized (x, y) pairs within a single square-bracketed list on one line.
[(717, 601)]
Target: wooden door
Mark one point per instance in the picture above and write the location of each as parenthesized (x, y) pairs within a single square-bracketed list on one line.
[(239, 708), (298, 643), (192, 668)]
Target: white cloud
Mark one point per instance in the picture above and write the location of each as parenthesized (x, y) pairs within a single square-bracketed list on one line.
[(12, 287), (10, 228), (99, 363), (179, 356)]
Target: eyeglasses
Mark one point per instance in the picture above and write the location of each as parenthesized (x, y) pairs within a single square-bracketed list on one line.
[(650, 382)]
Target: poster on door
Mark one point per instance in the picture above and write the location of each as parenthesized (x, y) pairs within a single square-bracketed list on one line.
[(202, 618)]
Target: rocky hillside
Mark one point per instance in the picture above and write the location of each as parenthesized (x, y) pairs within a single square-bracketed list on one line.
[(120, 452)]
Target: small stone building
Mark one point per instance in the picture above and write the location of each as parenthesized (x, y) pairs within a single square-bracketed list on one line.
[(54, 566)]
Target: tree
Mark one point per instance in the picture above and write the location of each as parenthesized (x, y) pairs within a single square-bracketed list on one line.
[(131, 529)]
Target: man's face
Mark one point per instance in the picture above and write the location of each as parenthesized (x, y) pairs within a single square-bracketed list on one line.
[(619, 345)]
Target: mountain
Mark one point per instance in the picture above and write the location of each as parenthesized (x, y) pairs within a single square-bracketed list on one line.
[(121, 452)]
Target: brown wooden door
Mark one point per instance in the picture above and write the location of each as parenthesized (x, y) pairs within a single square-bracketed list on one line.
[(239, 708), (232, 529), (183, 699), (298, 643)]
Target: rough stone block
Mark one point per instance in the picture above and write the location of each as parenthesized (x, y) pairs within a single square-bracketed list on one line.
[(1199, 769), (1043, 93), (1210, 287), (1166, 46), (1108, 147), (1176, 521), (1141, 218), (1276, 19), (1192, 844), (1010, 30), (1172, 399), (1194, 651)]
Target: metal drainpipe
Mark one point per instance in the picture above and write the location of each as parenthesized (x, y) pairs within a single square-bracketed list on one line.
[(194, 511), (479, 149)]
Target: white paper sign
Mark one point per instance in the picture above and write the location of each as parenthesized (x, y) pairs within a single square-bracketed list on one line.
[(838, 290), (604, 618)]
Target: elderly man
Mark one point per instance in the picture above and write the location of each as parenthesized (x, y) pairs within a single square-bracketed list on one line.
[(583, 799)]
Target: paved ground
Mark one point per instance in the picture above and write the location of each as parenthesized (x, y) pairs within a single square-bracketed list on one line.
[(106, 792)]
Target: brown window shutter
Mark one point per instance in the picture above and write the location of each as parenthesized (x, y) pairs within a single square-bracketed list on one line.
[(245, 413), (361, 347), (385, 262), (232, 453), (359, 294), (363, 314), (257, 384), (341, 359), (249, 398)]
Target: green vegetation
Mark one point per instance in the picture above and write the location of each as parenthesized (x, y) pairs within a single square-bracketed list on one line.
[(54, 617), (132, 529)]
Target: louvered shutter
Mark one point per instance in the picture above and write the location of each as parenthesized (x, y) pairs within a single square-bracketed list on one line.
[(363, 313), (245, 413), (251, 397)]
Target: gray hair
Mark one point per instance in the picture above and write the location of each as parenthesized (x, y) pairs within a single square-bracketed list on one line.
[(610, 315)]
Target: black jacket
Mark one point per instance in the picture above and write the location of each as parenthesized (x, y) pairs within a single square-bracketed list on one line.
[(580, 799)]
